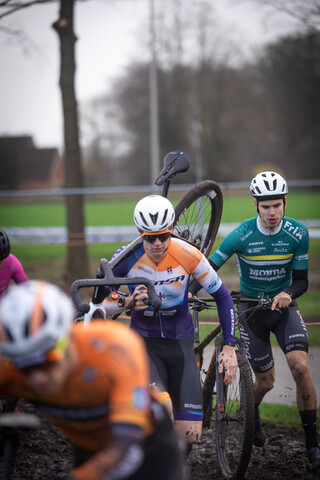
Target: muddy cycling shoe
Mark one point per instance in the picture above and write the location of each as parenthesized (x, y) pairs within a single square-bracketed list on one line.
[(259, 437), (314, 459)]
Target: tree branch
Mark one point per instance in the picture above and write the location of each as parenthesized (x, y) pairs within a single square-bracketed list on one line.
[(16, 6)]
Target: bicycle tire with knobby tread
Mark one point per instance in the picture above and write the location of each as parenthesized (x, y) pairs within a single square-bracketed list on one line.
[(207, 394), (234, 430), (198, 215)]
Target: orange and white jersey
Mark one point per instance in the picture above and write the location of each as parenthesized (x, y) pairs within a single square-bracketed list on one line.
[(171, 277)]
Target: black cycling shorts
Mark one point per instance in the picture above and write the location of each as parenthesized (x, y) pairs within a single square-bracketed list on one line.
[(174, 369), (287, 325)]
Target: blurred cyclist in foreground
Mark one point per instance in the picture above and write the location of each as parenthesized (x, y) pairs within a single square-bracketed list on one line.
[(92, 383)]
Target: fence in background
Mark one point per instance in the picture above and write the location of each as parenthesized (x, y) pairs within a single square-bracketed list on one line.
[(54, 231)]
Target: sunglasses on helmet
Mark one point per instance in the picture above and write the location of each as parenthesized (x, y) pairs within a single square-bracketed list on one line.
[(151, 237)]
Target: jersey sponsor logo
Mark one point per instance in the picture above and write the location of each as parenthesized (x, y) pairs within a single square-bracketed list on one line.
[(89, 374), (245, 336), (212, 284), (267, 273), (169, 270), (280, 250), (264, 368), (252, 244), (297, 335), (297, 231), (140, 398), (256, 250), (243, 231), (192, 405), (225, 257), (146, 270), (180, 278), (302, 257)]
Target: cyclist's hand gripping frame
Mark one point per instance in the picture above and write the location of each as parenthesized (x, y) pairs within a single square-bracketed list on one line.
[(110, 280)]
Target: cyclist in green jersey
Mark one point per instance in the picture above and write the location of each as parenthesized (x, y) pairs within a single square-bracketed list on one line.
[(272, 258)]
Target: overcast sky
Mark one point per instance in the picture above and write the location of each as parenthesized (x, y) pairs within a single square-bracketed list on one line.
[(110, 35)]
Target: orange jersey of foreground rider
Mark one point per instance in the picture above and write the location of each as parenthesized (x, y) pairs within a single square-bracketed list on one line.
[(93, 383)]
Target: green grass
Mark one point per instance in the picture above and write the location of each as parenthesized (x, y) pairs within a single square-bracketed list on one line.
[(302, 204), (281, 414)]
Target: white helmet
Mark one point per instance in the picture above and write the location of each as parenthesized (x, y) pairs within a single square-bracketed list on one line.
[(34, 317), (154, 214), (268, 185)]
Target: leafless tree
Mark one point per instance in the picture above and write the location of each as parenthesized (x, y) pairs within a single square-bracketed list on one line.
[(305, 12), (77, 259)]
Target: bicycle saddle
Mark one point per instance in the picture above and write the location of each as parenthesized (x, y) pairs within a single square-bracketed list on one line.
[(174, 162)]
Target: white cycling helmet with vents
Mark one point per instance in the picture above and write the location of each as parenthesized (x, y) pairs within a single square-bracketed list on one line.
[(34, 317), (268, 185), (154, 214)]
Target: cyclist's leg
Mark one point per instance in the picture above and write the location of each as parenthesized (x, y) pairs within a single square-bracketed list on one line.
[(292, 337), (256, 333), (185, 390), (158, 371)]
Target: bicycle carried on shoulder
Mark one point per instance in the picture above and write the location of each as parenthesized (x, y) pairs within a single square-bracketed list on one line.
[(197, 216)]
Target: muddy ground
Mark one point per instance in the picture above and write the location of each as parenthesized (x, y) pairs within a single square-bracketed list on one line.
[(46, 455)]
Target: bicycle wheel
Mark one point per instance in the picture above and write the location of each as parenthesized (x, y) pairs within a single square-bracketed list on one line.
[(198, 215), (207, 393), (234, 427)]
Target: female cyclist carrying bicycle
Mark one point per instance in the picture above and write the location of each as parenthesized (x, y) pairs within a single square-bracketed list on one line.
[(169, 263)]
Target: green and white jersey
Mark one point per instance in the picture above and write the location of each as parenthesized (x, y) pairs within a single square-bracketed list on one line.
[(265, 258)]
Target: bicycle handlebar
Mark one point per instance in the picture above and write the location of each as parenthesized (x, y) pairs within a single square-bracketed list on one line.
[(201, 302), (25, 421), (109, 279)]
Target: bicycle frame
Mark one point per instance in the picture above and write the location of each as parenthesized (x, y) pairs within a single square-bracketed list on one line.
[(11, 425), (108, 279), (171, 167)]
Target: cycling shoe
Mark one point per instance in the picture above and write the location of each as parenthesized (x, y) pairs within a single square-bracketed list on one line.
[(314, 459)]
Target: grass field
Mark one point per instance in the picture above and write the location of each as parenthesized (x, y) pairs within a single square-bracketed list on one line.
[(47, 261), (27, 213)]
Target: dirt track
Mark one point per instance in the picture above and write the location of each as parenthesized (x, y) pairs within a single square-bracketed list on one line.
[(46, 455)]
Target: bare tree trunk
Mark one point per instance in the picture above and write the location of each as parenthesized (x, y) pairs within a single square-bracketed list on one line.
[(77, 259)]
